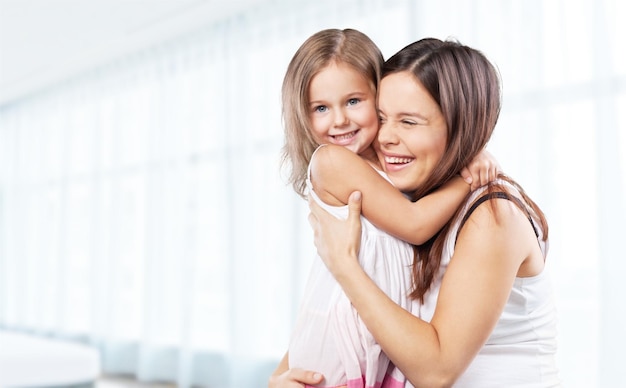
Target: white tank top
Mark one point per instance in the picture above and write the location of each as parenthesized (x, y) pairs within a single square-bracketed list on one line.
[(520, 351)]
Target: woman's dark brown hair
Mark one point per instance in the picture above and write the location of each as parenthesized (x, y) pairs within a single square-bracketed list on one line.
[(466, 86)]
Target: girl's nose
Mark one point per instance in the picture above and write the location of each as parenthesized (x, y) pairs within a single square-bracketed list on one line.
[(341, 118)]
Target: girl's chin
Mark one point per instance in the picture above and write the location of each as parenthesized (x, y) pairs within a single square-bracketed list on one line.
[(352, 147)]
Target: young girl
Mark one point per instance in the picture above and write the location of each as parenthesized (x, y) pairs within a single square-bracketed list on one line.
[(329, 98)]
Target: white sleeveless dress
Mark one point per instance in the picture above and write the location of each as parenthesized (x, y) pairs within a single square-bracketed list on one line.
[(329, 336)]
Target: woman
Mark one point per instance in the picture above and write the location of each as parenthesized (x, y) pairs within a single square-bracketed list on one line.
[(488, 317)]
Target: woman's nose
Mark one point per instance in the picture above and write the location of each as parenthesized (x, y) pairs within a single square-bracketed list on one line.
[(386, 134)]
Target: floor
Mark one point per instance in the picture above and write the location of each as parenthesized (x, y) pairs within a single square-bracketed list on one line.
[(121, 382)]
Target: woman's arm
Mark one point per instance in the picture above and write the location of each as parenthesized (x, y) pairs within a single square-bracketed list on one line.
[(475, 288), (283, 377), (336, 172)]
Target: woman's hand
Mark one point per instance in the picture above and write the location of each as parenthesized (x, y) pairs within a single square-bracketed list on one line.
[(484, 168), (337, 239), (294, 378)]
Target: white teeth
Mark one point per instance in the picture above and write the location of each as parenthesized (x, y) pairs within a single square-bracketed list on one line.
[(345, 136), (397, 160)]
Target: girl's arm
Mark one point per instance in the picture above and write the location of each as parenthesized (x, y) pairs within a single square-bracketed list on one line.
[(482, 170), (336, 172), (488, 254)]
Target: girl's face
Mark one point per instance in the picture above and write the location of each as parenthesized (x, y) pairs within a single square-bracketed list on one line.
[(413, 131), (342, 108)]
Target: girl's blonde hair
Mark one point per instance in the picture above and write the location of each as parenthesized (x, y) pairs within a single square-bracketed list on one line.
[(346, 46)]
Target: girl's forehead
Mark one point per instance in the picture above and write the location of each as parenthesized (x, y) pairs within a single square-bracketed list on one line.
[(339, 77)]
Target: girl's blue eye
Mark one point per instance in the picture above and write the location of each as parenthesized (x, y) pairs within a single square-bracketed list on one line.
[(353, 101), (321, 108)]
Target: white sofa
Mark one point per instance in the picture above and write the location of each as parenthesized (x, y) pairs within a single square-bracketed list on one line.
[(32, 361)]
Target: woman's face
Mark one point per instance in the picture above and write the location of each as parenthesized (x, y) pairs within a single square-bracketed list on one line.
[(413, 131)]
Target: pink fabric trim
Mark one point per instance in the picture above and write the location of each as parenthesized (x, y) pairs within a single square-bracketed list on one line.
[(388, 382)]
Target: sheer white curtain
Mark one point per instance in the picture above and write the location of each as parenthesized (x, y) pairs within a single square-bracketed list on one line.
[(142, 209), (562, 135)]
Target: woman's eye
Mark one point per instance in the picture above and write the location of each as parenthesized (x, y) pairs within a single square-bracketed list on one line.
[(408, 122)]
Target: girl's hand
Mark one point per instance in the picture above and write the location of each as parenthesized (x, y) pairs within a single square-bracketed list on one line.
[(336, 239), (484, 168), (294, 378)]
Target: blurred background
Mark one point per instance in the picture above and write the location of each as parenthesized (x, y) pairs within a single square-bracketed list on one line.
[(143, 212)]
